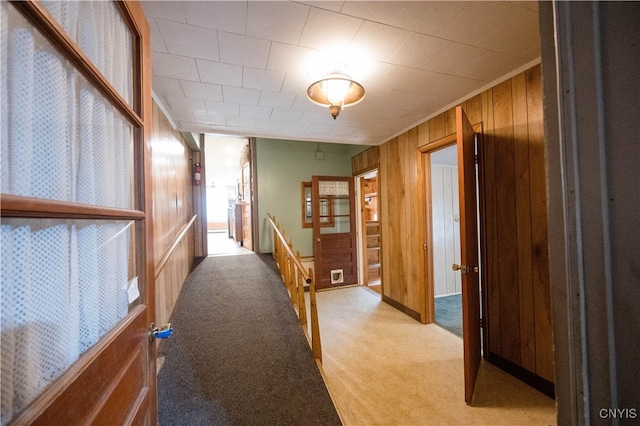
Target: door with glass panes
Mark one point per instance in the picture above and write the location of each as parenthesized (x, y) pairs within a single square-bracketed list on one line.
[(76, 278), (334, 231)]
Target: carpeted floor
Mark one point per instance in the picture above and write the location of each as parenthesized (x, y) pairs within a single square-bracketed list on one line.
[(449, 313), (238, 355)]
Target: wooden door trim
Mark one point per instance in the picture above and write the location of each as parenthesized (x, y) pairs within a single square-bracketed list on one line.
[(425, 223), (85, 368), (96, 361), (54, 33)]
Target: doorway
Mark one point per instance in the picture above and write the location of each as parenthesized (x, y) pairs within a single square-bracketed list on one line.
[(468, 265), (445, 238), (223, 180), (368, 222), (335, 250)]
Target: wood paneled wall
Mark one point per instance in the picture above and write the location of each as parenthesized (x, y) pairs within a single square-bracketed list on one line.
[(402, 252), (365, 161), (514, 218), (445, 225), (172, 211), (516, 266)]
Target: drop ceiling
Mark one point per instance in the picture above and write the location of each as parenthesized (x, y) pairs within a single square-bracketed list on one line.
[(239, 68)]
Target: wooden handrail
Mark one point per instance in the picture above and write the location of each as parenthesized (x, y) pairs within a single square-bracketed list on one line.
[(165, 258), (298, 264), (294, 275)]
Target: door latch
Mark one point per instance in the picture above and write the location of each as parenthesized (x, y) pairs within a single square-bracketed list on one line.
[(161, 332), (464, 269)]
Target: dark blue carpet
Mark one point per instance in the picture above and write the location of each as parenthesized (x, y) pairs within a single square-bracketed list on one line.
[(449, 313)]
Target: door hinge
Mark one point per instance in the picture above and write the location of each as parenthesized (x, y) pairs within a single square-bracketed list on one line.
[(481, 323), (475, 158)]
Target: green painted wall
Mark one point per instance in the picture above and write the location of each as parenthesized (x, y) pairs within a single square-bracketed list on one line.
[(282, 166)]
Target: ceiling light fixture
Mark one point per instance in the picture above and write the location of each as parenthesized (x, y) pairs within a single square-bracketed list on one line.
[(336, 90)]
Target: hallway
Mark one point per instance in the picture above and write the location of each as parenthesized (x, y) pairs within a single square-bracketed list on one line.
[(383, 368)]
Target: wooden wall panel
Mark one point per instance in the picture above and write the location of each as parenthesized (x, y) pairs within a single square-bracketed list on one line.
[(446, 229), (506, 239), (402, 246), (169, 281), (365, 161), (172, 210), (539, 236), (513, 210), (523, 223)]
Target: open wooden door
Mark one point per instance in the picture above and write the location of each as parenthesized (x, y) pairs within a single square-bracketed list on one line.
[(77, 272), (334, 231), (469, 264)]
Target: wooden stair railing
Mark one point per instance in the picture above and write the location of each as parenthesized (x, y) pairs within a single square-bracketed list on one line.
[(294, 277)]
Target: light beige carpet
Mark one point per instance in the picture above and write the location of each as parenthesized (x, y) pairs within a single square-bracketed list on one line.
[(384, 368)]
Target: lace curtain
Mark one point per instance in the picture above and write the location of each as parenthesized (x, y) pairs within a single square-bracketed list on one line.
[(63, 282)]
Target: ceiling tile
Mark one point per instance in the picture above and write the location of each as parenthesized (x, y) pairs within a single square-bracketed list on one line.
[(240, 121), (476, 19), (181, 115), (173, 66), (325, 29), (184, 104), (239, 95), (322, 129), (427, 17), (378, 11), (288, 58), (276, 100), (452, 57), (276, 20), (417, 49), (334, 6), (523, 40), (255, 111), (217, 73), (167, 86), (189, 40), (169, 10), (210, 118), (268, 125), (194, 89), (195, 127), (222, 108), (377, 41), (241, 50), (228, 16), (285, 114), (253, 78), (157, 43), (489, 67)]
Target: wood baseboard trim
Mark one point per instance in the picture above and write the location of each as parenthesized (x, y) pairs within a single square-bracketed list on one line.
[(399, 306), (532, 379)]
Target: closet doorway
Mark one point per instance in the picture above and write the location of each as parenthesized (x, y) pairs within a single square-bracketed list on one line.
[(444, 225), (369, 247), (445, 237)]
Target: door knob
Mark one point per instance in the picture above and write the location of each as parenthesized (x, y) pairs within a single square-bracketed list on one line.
[(461, 268), (318, 239), (464, 269), (161, 332)]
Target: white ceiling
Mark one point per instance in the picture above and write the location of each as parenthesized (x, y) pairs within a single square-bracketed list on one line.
[(238, 68)]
